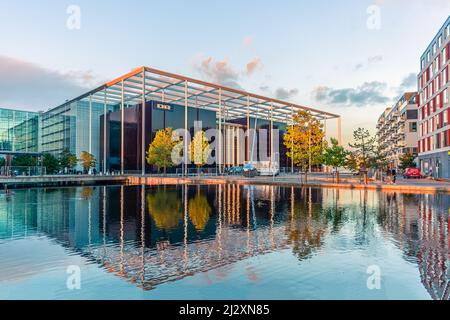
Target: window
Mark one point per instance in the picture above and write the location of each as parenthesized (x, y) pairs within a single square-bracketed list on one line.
[(413, 127), (444, 56), (434, 48), (447, 30), (440, 41), (411, 114), (422, 64), (445, 96)]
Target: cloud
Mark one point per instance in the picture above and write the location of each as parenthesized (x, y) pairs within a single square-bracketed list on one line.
[(368, 93), (409, 83), (253, 65), (285, 94), (375, 59), (27, 85), (280, 93), (370, 61), (222, 72)]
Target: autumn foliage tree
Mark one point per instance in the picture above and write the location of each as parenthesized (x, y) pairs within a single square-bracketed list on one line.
[(305, 141), (199, 149), (88, 161), (160, 150)]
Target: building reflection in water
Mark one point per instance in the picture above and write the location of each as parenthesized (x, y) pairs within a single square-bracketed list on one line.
[(152, 235)]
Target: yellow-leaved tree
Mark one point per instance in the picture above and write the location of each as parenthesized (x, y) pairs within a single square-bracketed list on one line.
[(304, 141), (199, 149), (199, 211), (160, 150)]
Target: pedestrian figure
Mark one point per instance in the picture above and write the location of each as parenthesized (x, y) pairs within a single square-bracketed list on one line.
[(388, 176), (394, 176)]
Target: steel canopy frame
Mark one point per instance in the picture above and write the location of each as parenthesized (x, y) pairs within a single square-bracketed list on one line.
[(144, 83)]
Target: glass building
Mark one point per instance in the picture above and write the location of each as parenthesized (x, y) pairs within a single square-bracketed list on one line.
[(110, 123), (19, 130)]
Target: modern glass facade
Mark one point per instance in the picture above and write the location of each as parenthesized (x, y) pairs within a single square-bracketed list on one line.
[(74, 126), (158, 116), (19, 131)]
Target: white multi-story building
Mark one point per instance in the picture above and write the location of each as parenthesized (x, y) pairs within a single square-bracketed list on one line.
[(434, 111), (397, 128)]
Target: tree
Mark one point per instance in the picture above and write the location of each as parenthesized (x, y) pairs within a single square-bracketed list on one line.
[(199, 211), (88, 161), (199, 149), (160, 150), (363, 149), (407, 161), (67, 159), (379, 159), (51, 163), (305, 141), (24, 161), (165, 207), (335, 156)]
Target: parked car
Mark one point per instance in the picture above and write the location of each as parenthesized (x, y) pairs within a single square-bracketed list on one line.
[(249, 170), (412, 173)]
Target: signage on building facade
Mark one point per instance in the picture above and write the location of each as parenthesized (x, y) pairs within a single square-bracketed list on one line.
[(163, 106)]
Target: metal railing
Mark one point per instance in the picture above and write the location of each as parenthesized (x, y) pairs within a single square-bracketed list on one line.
[(12, 171)]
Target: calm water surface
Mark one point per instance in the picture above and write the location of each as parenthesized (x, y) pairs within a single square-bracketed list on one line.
[(223, 242)]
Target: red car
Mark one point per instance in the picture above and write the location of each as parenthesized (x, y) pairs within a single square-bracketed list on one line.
[(411, 173)]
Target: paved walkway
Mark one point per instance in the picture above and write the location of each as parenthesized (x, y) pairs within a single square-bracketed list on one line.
[(403, 185)]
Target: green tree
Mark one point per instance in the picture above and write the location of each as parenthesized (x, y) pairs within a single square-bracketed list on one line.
[(335, 156), (407, 161), (88, 161), (160, 150), (24, 161), (363, 148), (51, 163), (379, 160), (305, 141), (67, 159), (199, 149)]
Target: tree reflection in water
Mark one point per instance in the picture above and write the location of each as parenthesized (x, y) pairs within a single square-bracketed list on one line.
[(208, 227), (165, 207)]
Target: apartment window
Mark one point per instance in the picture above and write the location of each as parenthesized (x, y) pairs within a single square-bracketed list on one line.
[(413, 127), (434, 48), (428, 56), (422, 64), (444, 56), (445, 96), (447, 30), (440, 41), (445, 116), (411, 114), (444, 76)]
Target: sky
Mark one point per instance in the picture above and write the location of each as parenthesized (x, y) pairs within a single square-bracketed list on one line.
[(350, 57)]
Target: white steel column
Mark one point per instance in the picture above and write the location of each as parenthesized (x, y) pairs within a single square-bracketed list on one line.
[(90, 124), (292, 140), (339, 121), (104, 131), (271, 133), (248, 129), (186, 146), (143, 124), (122, 133), (219, 145)]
